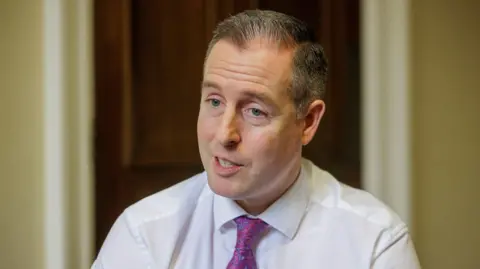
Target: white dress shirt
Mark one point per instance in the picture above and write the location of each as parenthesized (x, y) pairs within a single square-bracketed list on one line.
[(318, 223)]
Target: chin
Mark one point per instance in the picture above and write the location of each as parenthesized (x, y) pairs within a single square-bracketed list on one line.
[(223, 187)]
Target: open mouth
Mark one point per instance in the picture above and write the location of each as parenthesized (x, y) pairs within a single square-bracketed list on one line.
[(226, 168), (226, 163)]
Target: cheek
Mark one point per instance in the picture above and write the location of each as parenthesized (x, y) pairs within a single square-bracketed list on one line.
[(206, 127), (263, 143), (274, 143)]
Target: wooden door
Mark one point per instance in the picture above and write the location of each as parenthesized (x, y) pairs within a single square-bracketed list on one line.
[(148, 70)]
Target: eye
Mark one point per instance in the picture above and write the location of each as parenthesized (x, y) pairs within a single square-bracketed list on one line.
[(257, 112), (214, 102)]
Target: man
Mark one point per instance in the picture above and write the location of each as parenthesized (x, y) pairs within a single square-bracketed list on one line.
[(259, 204)]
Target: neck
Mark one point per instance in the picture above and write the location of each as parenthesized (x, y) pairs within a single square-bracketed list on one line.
[(256, 206)]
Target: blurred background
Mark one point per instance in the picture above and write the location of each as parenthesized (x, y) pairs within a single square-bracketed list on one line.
[(98, 103)]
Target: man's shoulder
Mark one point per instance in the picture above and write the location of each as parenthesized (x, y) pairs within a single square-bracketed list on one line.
[(177, 199), (360, 204)]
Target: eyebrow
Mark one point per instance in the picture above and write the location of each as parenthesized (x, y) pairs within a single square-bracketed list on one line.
[(263, 97), (210, 84)]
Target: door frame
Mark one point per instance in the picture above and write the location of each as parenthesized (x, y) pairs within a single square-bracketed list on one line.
[(68, 118), (386, 108), (69, 182)]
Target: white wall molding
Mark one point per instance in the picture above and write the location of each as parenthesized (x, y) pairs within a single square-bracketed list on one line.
[(385, 103), (54, 136), (68, 73)]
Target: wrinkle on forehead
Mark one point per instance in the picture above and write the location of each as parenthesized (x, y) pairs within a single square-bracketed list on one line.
[(245, 68), (260, 62), (232, 71)]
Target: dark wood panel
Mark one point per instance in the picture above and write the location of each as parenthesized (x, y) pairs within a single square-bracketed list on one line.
[(110, 76), (148, 180), (167, 53), (342, 49)]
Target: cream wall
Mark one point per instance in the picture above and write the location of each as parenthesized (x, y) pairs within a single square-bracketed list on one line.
[(46, 187), (446, 132), (21, 134)]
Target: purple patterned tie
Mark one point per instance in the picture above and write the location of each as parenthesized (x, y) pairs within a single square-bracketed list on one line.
[(248, 232)]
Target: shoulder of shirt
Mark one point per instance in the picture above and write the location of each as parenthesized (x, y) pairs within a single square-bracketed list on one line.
[(328, 192), (180, 198)]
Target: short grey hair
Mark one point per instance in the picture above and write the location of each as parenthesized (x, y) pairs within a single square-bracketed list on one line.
[(310, 67)]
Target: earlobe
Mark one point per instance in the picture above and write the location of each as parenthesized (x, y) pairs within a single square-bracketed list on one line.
[(312, 120)]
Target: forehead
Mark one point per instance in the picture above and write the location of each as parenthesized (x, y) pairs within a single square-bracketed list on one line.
[(259, 60)]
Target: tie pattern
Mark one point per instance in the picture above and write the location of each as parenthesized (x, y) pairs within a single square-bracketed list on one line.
[(248, 232)]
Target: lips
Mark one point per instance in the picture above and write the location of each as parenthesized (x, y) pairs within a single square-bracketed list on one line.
[(225, 167), (227, 163)]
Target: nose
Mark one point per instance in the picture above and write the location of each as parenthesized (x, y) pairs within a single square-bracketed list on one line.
[(228, 132)]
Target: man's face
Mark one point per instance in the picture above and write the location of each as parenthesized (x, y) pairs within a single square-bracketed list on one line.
[(248, 134)]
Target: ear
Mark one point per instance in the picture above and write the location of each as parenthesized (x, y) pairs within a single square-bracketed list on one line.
[(312, 120)]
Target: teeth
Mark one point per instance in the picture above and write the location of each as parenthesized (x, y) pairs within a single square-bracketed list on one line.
[(225, 163)]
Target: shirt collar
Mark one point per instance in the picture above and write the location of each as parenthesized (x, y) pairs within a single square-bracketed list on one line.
[(224, 211), (284, 215)]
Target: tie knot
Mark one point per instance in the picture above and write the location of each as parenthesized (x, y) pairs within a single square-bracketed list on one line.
[(249, 230)]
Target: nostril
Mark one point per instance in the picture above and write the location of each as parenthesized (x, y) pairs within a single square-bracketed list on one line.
[(230, 144), (228, 138)]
